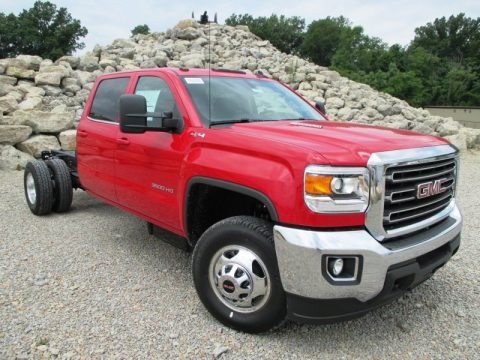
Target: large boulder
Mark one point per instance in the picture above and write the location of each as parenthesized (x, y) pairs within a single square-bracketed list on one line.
[(122, 44), (51, 90), (148, 64), (34, 91), (187, 34), (13, 159), (38, 143), (71, 85), (84, 77), (192, 60), (51, 74), (6, 89), (68, 139), (45, 122), (334, 103), (50, 68), (472, 136), (89, 63), (8, 104), (20, 73), (13, 134), (49, 78), (448, 128), (459, 140), (186, 23), (30, 103), (9, 80), (74, 61), (31, 62)]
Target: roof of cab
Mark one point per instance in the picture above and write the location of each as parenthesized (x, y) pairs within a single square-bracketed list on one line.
[(189, 72)]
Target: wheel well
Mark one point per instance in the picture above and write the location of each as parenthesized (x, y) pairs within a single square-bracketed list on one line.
[(206, 204)]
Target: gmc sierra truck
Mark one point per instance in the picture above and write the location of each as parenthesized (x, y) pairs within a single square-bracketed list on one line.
[(289, 215)]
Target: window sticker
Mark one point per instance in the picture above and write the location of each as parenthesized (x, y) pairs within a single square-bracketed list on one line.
[(195, 80)]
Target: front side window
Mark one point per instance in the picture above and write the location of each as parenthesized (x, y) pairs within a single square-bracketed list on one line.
[(105, 105), (159, 98), (229, 99)]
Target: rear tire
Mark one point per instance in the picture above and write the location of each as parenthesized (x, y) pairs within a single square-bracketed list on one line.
[(236, 274), (38, 187), (63, 190)]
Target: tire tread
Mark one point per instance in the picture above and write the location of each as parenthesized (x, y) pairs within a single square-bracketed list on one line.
[(63, 191), (265, 230), (43, 187)]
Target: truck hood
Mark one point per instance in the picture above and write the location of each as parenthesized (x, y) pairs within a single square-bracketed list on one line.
[(338, 143)]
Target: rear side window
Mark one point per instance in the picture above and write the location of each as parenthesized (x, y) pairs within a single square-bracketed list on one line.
[(105, 104)]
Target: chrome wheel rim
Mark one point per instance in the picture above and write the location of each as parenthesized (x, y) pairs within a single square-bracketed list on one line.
[(239, 278), (31, 192)]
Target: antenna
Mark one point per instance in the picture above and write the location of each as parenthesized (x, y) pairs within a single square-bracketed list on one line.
[(209, 77)]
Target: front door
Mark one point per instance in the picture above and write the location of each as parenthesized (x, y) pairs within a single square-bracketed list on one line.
[(148, 164)]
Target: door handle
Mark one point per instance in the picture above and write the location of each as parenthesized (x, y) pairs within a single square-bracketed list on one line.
[(82, 133), (123, 141)]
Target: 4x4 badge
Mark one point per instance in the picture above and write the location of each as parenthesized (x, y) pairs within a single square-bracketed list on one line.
[(197, 134)]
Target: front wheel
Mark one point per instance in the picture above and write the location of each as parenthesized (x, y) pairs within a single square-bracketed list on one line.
[(236, 274)]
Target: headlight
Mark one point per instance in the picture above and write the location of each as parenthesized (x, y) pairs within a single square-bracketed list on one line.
[(329, 189)]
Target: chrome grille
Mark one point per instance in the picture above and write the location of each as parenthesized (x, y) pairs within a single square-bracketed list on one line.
[(401, 205)]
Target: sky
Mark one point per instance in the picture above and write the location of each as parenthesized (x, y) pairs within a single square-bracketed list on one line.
[(392, 21)]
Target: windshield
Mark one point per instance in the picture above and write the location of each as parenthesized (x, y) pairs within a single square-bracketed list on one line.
[(243, 100)]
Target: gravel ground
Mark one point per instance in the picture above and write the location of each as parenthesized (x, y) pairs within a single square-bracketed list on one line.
[(93, 284)]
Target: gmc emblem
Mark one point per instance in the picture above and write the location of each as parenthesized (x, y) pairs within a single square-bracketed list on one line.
[(431, 188)]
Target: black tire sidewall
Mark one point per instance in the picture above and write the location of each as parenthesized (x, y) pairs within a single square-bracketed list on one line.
[(273, 312), (28, 170), (43, 187), (63, 192)]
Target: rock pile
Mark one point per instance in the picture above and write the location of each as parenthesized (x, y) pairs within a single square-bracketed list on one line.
[(41, 101)]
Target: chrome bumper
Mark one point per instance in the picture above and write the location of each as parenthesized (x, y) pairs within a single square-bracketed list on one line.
[(300, 252)]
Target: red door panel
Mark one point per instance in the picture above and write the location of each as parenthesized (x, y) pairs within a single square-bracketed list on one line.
[(96, 148), (148, 165)]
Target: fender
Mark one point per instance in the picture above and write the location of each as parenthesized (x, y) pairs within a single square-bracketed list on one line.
[(244, 190)]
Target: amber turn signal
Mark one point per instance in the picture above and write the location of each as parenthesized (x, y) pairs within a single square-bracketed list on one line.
[(318, 184)]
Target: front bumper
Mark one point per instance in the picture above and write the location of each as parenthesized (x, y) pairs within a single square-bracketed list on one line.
[(301, 255)]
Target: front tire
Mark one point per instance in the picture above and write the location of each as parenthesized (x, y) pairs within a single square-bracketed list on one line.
[(38, 187), (236, 274)]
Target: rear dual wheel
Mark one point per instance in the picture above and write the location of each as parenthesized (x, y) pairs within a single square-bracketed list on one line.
[(63, 190), (48, 186)]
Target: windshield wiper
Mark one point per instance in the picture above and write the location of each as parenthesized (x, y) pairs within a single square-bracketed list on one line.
[(223, 122)]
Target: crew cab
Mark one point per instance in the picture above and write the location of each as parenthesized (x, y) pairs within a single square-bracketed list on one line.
[(288, 214)]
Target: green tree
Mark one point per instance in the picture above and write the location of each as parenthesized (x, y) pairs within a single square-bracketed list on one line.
[(8, 31), (140, 29), (41, 30), (455, 44), (324, 37), (456, 38), (284, 33), (401, 84), (441, 66)]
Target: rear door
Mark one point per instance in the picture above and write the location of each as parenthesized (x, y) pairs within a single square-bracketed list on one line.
[(149, 164), (97, 138)]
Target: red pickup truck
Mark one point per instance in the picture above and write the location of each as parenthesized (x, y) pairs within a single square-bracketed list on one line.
[(288, 214)]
